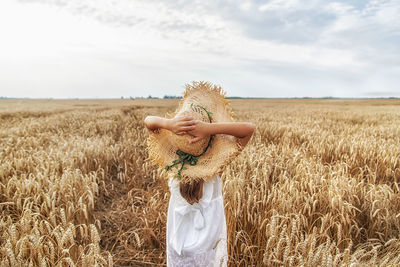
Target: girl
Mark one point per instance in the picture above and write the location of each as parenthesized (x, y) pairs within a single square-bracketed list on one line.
[(194, 147)]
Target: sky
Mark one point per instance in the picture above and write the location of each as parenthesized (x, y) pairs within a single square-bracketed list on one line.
[(131, 48)]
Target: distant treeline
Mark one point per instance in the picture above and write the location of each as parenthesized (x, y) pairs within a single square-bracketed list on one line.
[(155, 97), (172, 97), (228, 97), (309, 97)]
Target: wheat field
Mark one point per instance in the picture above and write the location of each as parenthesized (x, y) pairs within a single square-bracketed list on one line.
[(318, 185)]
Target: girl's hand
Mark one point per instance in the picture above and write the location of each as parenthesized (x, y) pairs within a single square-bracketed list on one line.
[(181, 125), (199, 132)]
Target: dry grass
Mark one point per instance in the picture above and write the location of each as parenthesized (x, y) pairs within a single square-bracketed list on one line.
[(317, 186)]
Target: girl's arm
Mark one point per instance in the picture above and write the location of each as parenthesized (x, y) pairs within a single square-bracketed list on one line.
[(177, 125), (241, 130)]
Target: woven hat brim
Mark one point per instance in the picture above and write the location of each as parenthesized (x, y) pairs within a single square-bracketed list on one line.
[(224, 148)]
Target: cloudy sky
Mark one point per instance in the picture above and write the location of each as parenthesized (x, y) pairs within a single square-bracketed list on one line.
[(275, 48)]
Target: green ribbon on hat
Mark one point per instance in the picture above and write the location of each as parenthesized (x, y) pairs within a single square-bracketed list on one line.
[(186, 157)]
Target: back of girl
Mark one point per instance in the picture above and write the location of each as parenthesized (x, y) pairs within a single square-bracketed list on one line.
[(194, 146)]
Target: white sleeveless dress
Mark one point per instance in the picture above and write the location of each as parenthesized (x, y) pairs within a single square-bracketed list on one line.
[(196, 234)]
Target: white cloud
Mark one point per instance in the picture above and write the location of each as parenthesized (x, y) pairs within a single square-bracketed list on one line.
[(246, 6), (275, 5)]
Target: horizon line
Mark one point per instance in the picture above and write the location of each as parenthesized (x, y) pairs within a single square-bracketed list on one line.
[(179, 97)]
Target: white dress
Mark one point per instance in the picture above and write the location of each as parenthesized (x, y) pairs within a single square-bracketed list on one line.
[(196, 234)]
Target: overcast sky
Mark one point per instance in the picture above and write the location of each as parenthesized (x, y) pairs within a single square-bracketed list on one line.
[(276, 48)]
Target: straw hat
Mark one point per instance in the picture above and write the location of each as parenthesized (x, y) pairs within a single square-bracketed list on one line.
[(202, 159)]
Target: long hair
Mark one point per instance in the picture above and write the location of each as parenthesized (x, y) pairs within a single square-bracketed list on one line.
[(192, 191)]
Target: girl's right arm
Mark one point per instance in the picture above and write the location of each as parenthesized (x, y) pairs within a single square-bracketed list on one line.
[(242, 130), (177, 125)]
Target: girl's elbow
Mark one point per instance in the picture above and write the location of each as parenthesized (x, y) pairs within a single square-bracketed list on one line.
[(251, 128), (147, 122)]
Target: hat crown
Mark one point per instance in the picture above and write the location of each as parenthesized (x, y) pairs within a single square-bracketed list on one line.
[(164, 151), (182, 141)]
